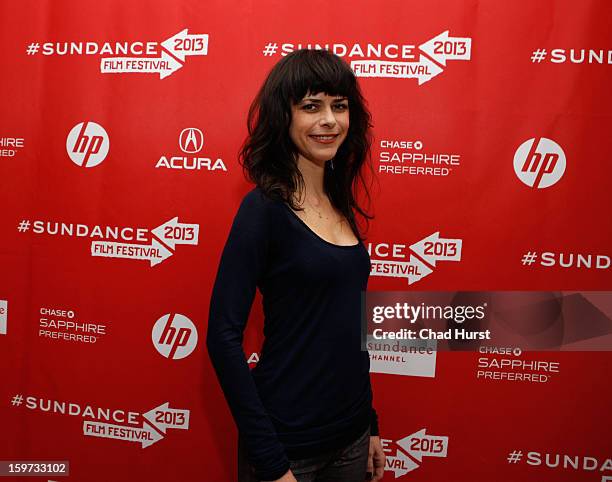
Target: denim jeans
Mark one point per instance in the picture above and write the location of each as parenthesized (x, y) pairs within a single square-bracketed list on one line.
[(347, 464)]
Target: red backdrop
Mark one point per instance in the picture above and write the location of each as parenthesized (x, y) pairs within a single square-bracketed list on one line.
[(491, 124)]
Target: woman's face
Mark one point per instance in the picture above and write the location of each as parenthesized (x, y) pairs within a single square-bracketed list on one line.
[(319, 124)]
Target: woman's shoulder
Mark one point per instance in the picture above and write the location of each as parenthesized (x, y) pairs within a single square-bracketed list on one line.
[(257, 197), (257, 202)]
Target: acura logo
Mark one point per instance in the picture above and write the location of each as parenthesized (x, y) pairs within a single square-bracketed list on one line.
[(191, 140)]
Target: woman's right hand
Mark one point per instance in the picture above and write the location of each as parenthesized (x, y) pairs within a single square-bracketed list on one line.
[(288, 477)]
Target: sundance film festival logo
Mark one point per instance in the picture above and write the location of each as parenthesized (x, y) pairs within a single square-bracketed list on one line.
[(411, 450), (591, 467), (539, 162), (3, 316), (163, 240), (574, 56), (140, 57), (87, 144), (392, 60), (158, 421), (549, 259), (174, 336), (393, 259), (112, 423), (167, 237)]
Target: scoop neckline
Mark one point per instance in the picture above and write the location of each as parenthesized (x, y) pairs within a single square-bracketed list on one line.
[(342, 246)]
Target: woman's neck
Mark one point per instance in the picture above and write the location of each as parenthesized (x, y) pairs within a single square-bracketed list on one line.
[(313, 174)]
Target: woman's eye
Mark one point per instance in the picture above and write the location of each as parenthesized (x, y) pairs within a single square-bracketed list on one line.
[(314, 107)]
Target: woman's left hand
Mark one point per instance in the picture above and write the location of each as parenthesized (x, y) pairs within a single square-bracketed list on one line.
[(376, 458)]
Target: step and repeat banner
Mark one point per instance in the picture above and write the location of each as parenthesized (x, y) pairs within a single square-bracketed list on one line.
[(120, 128)]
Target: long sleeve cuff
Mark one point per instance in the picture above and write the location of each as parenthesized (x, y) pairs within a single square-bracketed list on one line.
[(273, 474)]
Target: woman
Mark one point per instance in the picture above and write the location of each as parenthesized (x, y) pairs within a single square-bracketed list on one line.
[(305, 412)]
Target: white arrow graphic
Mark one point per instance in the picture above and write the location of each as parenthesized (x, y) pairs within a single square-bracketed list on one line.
[(433, 249), (172, 233), (414, 269), (400, 464), (430, 71), (164, 66), (453, 48), (179, 419), (183, 44), (155, 252), (145, 435), (155, 436), (420, 270), (438, 445)]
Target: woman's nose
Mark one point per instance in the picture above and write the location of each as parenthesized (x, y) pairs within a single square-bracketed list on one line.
[(328, 117)]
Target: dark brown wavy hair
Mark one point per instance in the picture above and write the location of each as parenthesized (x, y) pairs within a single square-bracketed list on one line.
[(268, 156)]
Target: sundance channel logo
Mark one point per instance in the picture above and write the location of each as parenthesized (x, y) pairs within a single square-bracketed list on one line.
[(3, 316)]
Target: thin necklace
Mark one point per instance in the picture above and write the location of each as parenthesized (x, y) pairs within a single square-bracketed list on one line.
[(314, 209), (317, 211)]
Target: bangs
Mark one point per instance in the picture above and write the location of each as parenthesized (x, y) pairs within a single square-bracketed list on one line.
[(315, 71), (268, 155)]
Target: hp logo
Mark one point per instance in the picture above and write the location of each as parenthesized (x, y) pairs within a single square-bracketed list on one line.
[(539, 163), (87, 144), (174, 336)]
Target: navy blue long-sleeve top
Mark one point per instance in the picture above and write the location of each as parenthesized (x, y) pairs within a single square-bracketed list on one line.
[(310, 391)]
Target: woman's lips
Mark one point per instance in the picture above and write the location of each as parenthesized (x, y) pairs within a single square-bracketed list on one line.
[(324, 139)]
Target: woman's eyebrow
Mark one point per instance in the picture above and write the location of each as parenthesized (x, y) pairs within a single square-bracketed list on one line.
[(313, 99)]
